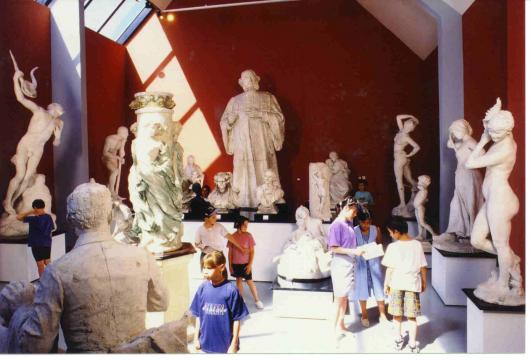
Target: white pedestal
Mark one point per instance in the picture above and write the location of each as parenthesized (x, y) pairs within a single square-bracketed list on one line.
[(495, 328), (17, 262), (303, 304), (452, 272)]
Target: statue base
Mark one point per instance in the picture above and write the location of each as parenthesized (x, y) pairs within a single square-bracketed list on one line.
[(493, 292), (453, 243)]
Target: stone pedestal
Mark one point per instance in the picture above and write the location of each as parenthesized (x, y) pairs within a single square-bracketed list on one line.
[(174, 268), (17, 262), (315, 301), (493, 328), (452, 272)]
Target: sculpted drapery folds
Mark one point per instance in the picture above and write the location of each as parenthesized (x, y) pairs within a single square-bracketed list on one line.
[(252, 128)]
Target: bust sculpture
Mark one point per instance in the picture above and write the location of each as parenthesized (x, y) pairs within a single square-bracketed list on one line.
[(224, 197), (421, 198), (402, 159), (467, 198), (340, 185), (305, 256), (252, 128), (113, 158), (269, 194), (500, 206)]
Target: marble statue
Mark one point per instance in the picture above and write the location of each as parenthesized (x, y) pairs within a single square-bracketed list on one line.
[(269, 194), (319, 175), (467, 198), (252, 128), (29, 89), (114, 157), (42, 126), (192, 171), (340, 185), (155, 177), (421, 198), (224, 197), (122, 223), (305, 256), (402, 160), (500, 206), (98, 293)]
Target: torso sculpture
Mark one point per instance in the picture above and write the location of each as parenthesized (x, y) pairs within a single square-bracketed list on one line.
[(224, 197), (501, 205), (339, 182), (319, 176), (114, 157), (406, 124), (269, 194), (252, 127)]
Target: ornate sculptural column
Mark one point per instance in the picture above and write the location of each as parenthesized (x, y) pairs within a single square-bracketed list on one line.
[(156, 175)]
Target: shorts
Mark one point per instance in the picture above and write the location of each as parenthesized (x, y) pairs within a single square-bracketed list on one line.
[(41, 252), (239, 272), (404, 303), (342, 272)]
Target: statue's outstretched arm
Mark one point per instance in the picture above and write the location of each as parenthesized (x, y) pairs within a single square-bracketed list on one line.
[(479, 159), (57, 131), (28, 104)]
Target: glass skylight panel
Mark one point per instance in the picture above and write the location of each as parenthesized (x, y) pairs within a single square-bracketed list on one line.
[(124, 16), (98, 12)]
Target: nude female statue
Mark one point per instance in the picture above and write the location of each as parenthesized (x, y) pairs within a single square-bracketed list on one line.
[(421, 198), (501, 205)]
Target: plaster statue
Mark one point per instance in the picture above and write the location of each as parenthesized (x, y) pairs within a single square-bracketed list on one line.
[(155, 177), (319, 175), (43, 125), (467, 198), (29, 89), (224, 197), (122, 223), (340, 186), (421, 198), (98, 293), (114, 157), (192, 171), (252, 127), (305, 256), (402, 160), (500, 206), (269, 194)]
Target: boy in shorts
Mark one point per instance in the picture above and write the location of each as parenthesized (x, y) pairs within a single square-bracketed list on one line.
[(405, 279)]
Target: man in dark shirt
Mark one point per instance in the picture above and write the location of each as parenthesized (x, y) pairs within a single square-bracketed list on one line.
[(41, 226), (198, 204)]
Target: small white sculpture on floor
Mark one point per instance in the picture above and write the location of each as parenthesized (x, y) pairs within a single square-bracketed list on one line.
[(224, 197), (402, 160), (305, 256), (340, 185), (43, 125), (421, 198), (269, 194), (320, 174), (113, 158), (467, 199), (252, 127), (155, 177), (501, 205)]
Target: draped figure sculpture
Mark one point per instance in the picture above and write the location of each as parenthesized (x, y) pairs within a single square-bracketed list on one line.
[(500, 206), (340, 185), (252, 128), (467, 199)]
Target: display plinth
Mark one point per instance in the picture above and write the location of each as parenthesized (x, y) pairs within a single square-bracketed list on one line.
[(17, 262), (493, 328), (315, 301), (174, 268), (452, 272), (412, 228)]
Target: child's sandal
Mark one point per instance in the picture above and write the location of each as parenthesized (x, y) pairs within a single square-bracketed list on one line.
[(399, 343), (414, 349)]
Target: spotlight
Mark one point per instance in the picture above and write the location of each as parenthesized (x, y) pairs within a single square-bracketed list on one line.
[(170, 17)]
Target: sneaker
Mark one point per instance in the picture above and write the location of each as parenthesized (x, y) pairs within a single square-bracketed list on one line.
[(365, 322), (259, 305), (383, 319), (414, 349), (399, 343)]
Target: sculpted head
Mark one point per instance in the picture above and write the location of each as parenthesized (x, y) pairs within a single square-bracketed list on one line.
[(301, 215), (89, 206), (55, 110), (410, 124), (333, 155), (249, 80), (497, 122), (424, 181), (123, 132), (460, 129), (222, 180), (269, 177), (190, 160)]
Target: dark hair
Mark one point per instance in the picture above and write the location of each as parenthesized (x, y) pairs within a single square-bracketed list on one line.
[(398, 224), (196, 188), (208, 210), (240, 220), (38, 204), (363, 180), (214, 259), (364, 215)]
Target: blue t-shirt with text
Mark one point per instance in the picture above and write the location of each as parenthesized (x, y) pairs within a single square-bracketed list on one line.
[(40, 230), (217, 308)]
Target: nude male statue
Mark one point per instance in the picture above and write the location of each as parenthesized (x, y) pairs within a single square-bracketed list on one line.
[(114, 156)]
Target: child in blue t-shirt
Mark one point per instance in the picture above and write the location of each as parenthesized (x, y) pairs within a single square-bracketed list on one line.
[(362, 195), (218, 308)]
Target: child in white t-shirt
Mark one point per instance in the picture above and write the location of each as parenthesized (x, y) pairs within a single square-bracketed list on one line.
[(405, 279)]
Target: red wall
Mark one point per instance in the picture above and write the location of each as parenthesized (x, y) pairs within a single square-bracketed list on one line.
[(106, 101), (494, 66), (25, 29), (340, 78)]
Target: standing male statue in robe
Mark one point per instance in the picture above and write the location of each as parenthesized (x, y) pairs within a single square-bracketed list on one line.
[(252, 127)]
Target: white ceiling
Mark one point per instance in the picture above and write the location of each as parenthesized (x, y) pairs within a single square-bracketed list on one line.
[(461, 6), (408, 21)]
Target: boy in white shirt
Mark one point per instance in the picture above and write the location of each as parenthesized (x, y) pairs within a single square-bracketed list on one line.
[(405, 279), (213, 236)]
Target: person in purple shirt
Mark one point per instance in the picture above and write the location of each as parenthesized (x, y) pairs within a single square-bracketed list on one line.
[(41, 226), (342, 245)]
